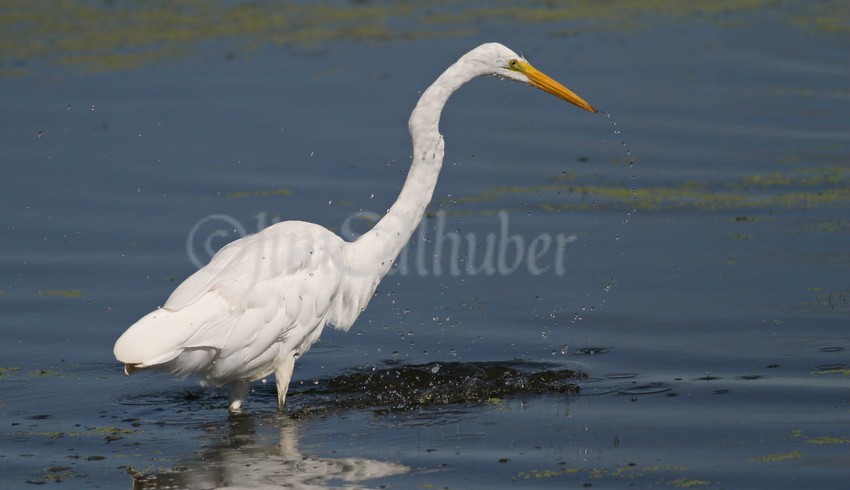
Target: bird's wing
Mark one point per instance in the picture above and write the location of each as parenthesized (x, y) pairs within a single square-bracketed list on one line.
[(201, 281), (273, 287)]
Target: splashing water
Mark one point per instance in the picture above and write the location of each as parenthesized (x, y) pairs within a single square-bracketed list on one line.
[(630, 180), (406, 387), (631, 160), (628, 213)]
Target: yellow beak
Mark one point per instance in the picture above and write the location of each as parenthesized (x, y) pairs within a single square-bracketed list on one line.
[(547, 84)]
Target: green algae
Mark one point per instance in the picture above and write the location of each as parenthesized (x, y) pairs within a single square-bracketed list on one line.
[(624, 472), (61, 293), (842, 371), (89, 432), (688, 483), (44, 373), (8, 370), (54, 474), (259, 193), (819, 441), (38, 373), (538, 474), (805, 188), (773, 458), (835, 301), (104, 36), (828, 441)]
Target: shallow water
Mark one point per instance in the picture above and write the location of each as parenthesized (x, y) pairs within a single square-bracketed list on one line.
[(706, 320)]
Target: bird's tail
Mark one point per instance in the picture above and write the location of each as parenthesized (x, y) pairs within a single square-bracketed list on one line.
[(169, 339), (155, 339)]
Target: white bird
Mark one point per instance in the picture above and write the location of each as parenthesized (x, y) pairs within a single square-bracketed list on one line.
[(263, 300)]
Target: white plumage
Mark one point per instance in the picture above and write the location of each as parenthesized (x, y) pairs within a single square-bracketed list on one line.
[(264, 299)]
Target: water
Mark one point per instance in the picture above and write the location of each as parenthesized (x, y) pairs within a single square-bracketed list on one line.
[(716, 357)]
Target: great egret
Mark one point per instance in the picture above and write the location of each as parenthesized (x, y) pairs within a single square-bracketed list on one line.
[(264, 299)]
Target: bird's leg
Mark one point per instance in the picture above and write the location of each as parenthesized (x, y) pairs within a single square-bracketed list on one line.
[(283, 368), (238, 393)]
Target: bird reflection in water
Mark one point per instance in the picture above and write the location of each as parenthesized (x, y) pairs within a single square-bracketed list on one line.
[(245, 460)]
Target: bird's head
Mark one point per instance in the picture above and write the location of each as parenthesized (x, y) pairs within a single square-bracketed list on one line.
[(502, 62)]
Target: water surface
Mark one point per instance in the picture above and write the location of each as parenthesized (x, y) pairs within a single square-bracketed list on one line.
[(705, 321)]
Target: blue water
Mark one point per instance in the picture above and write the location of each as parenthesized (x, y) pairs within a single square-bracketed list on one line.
[(710, 314)]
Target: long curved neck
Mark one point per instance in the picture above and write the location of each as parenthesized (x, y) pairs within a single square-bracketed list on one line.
[(383, 243)]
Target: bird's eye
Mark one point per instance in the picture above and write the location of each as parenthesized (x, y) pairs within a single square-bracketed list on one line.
[(513, 64)]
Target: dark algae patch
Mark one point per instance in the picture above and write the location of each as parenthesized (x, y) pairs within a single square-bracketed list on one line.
[(411, 387)]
